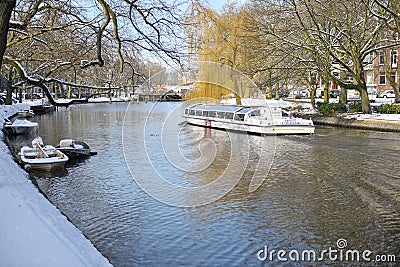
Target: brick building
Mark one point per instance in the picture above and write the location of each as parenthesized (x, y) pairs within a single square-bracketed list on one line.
[(383, 67), (380, 67)]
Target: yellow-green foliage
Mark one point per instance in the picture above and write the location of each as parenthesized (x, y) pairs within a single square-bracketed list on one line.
[(212, 91)]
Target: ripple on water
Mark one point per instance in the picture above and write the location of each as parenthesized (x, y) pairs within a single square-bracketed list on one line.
[(338, 183)]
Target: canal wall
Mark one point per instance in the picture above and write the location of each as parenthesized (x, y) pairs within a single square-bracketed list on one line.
[(33, 232), (375, 124)]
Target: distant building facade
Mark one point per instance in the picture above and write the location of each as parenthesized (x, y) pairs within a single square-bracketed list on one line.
[(382, 68)]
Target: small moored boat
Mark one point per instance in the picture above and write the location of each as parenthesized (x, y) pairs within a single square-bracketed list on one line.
[(260, 120), (44, 158), (25, 113), (19, 126), (74, 148)]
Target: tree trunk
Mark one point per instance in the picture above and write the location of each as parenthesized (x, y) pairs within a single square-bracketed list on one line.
[(343, 96), (366, 107), (6, 8), (362, 87), (312, 96), (396, 95), (326, 92), (9, 91), (8, 100), (343, 91)]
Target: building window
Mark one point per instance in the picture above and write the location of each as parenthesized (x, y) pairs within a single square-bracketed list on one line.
[(393, 58), (349, 78), (382, 78), (370, 77), (381, 56), (393, 77), (369, 59)]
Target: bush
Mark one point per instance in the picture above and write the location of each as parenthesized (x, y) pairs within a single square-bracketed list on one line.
[(297, 108), (331, 108), (389, 109), (355, 106)]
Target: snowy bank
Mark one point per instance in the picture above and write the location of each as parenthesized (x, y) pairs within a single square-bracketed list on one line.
[(385, 123), (32, 231)]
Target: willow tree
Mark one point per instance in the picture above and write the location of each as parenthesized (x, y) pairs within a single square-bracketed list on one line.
[(221, 38)]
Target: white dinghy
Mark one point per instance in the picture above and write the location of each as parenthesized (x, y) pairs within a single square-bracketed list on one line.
[(44, 158)]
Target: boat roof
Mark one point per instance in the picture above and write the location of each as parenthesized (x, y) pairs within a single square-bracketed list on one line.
[(221, 108)]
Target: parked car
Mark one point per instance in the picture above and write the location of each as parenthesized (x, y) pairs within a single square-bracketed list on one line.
[(304, 94), (372, 95), (284, 94), (319, 93), (281, 94), (334, 93), (387, 93), (34, 96)]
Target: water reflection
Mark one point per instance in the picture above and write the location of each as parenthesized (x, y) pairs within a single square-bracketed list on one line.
[(338, 183)]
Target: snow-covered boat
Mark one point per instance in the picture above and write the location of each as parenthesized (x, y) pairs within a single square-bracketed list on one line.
[(74, 148), (260, 120), (44, 158), (19, 126), (25, 113)]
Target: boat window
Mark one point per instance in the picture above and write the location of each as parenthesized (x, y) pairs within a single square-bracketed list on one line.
[(255, 113), (187, 111), (244, 110), (192, 112), (198, 112), (229, 115), (239, 117), (205, 113), (212, 114), (220, 114)]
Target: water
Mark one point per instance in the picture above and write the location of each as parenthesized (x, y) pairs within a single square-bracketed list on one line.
[(336, 184)]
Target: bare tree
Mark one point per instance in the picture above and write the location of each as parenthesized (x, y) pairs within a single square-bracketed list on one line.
[(6, 8), (344, 33), (65, 42)]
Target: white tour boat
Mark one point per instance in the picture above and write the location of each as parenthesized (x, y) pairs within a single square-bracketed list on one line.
[(260, 120), (44, 158)]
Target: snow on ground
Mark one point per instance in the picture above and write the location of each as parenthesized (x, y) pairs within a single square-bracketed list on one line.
[(374, 116), (33, 232), (107, 99), (306, 105)]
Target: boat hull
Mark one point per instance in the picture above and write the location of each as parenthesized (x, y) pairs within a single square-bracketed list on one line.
[(42, 166), (25, 114), (36, 161), (21, 127), (283, 127), (75, 153), (78, 150), (19, 130)]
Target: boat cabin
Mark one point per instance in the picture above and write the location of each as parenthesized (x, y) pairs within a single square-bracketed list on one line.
[(236, 113)]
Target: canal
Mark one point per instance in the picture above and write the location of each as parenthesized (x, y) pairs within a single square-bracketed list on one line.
[(163, 193)]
